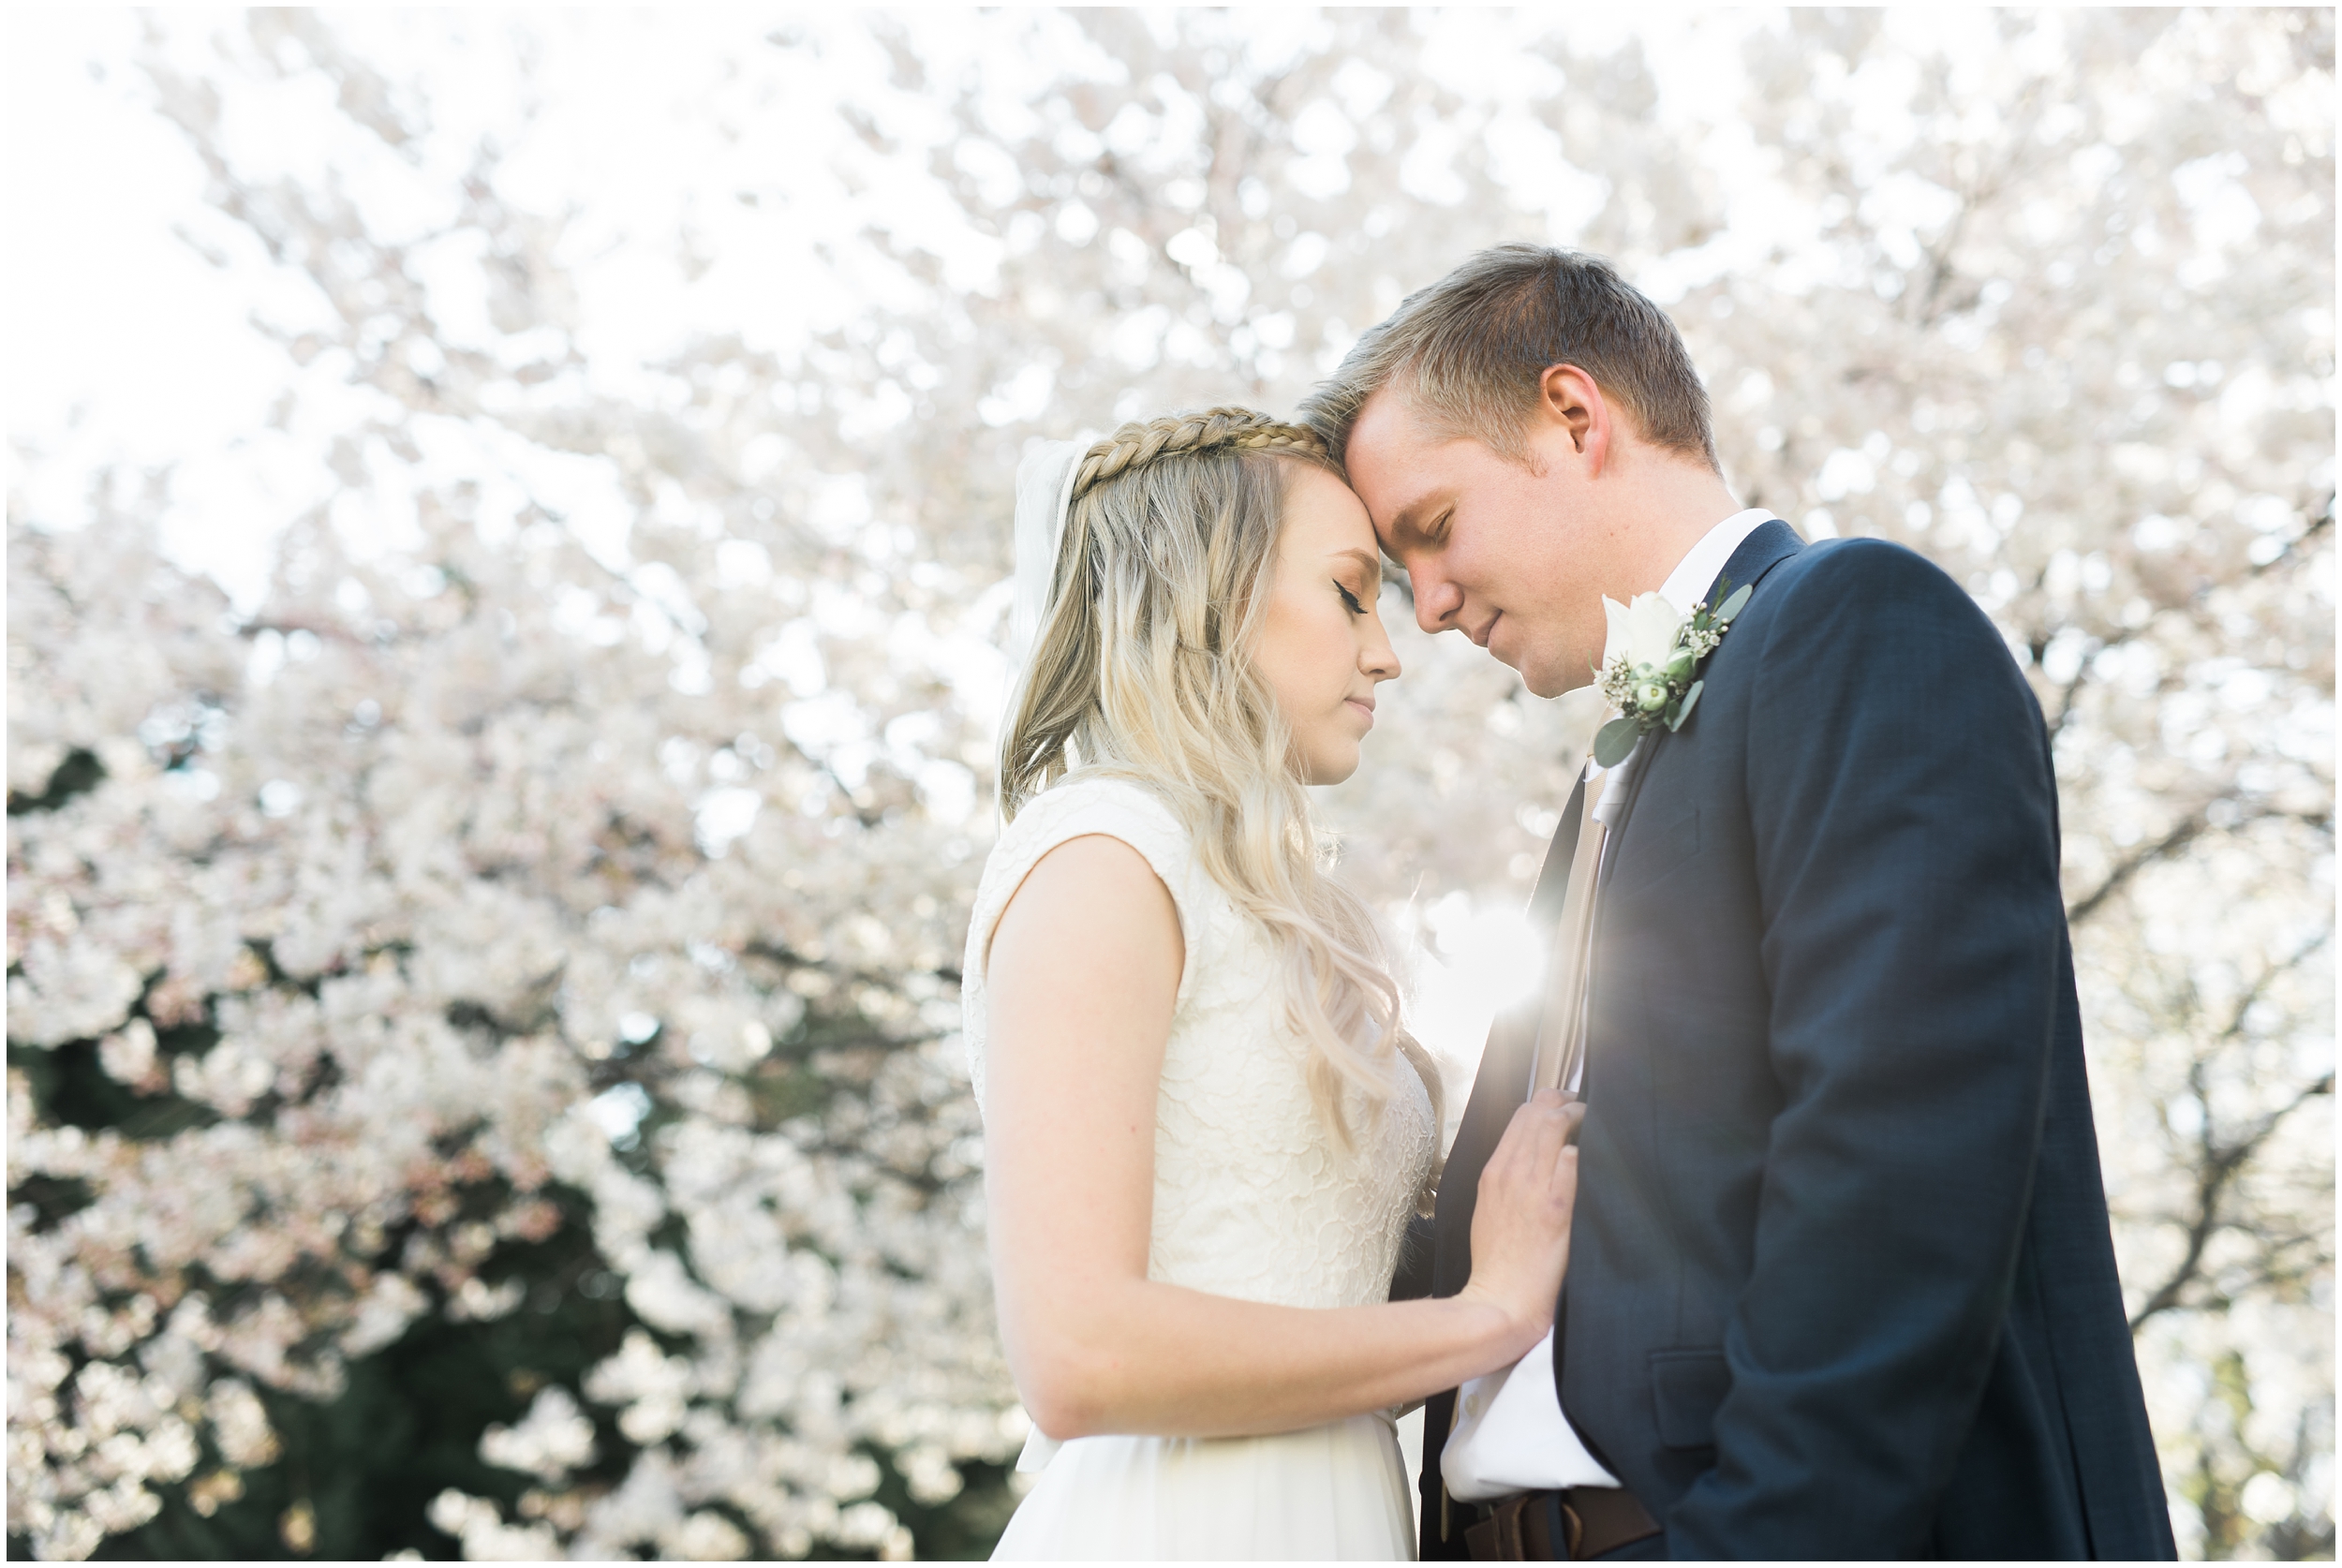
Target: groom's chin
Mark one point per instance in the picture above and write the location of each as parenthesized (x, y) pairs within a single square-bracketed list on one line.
[(1547, 680)]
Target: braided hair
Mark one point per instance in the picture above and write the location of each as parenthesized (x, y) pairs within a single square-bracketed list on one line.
[(1226, 429), (1141, 670)]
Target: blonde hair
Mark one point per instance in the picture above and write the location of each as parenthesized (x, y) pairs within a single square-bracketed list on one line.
[(1142, 670), (1470, 350)]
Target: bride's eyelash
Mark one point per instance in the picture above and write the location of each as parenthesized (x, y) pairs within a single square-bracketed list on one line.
[(1349, 599)]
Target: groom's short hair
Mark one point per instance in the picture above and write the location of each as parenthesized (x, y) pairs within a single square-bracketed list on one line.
[(1469, 351)]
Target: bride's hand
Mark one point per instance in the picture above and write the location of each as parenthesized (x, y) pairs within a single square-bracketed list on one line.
[(1520, 1220)]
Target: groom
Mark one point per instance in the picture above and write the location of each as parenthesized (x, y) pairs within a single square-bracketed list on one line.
[(1840, 1282)]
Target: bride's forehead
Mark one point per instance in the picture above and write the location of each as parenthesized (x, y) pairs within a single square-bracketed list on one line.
[(1319, 504)]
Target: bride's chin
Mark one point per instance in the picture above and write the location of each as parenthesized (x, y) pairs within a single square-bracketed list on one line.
[(1330, 770)]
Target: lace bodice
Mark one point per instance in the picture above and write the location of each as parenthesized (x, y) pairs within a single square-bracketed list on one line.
[(1254, 1198)]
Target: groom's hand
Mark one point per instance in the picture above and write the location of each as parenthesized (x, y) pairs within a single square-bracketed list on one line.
[(1520, 1222)]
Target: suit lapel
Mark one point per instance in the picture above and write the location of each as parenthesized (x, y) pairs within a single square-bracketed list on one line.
[(1766, 547), (1545, 902)]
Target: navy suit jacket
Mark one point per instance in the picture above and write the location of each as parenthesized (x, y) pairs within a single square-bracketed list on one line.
[(1840, 1282)]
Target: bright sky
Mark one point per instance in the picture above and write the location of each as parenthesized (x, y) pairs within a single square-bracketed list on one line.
[(123, 344), (120, 339)]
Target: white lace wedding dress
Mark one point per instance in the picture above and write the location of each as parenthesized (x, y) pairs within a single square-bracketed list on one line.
[(1253, 1199)]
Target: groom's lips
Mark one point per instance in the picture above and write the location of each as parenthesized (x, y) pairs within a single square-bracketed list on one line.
[(1480, 638)]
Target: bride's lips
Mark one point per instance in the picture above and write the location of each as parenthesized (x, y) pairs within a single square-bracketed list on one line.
[(1364, 707)]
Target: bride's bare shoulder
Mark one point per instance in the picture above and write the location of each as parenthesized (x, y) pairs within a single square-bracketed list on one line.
[(1091, 903)]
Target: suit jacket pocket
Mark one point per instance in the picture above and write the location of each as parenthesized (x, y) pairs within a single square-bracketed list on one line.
[(1687, 1385)]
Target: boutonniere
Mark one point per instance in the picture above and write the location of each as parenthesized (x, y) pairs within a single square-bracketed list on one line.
[(1650, 663)]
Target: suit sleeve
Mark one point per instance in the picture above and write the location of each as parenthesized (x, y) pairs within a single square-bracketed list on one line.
[(1902, 809)]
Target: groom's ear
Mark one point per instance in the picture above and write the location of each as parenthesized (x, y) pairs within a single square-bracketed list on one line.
[(1572, 407)]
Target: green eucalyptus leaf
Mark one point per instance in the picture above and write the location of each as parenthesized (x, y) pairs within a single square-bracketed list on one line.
[(1683, 709), (1732, 605), (1614, 741)]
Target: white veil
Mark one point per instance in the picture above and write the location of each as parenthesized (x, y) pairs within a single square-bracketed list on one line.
[(1044, 491), (1045, 483)]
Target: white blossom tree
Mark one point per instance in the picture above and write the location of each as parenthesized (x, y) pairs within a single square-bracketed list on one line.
[(519, 950)]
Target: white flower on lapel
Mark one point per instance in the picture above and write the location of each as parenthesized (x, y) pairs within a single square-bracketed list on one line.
[(1641, 633), (1648, 663)]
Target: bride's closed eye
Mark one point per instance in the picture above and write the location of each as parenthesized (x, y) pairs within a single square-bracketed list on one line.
[(1350, 600)]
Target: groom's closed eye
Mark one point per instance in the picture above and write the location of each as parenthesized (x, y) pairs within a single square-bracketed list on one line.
[(1417, 527)]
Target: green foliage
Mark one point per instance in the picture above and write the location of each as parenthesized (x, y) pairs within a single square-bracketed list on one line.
[(1615, 740)]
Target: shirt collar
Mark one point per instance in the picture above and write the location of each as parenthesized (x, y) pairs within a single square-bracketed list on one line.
[(1689, 582), (1685, 586)]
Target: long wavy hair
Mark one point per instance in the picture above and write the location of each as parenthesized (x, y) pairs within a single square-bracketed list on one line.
[(1142, 668)]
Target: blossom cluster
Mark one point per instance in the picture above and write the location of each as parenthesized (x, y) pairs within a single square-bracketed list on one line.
[(375, 939)]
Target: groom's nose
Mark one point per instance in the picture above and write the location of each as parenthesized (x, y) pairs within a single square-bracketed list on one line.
[(1437, 601)]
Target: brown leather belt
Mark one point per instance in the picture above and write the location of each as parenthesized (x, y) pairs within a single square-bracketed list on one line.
[(1568, 1526)]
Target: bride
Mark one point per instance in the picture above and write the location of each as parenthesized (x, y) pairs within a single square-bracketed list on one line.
[(1204, 1129)]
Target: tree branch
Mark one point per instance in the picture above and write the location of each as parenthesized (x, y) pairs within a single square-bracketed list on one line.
[(2185, 833), (2221, 1162), (2319, 523)]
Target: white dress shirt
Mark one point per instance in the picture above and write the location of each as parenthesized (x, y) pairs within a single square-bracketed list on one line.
[(1510, 1435)]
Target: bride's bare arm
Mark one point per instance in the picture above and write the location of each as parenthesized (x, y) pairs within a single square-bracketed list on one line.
[(1082, 977)]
